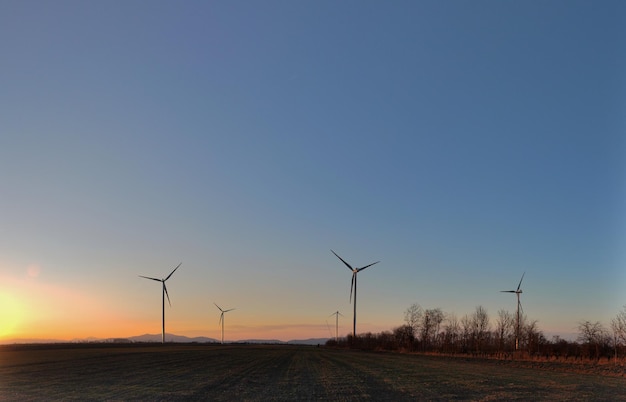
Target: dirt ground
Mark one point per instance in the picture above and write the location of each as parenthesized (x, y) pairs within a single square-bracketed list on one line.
[(286, 373)]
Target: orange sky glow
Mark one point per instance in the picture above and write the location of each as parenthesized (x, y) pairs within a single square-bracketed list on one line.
[(35, 310)]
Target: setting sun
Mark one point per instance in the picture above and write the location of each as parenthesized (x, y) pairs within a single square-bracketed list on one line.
[(10, 314)]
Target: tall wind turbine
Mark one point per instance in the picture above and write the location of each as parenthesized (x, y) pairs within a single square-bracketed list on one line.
[(518, 292), (222, 318), (336, 314), (164, 294), (353, 286)]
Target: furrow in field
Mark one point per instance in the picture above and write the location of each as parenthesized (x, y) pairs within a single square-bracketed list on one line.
[(348, 379), (301, 380), (244, 374)]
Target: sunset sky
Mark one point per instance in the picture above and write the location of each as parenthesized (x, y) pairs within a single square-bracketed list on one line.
[(460, 143)]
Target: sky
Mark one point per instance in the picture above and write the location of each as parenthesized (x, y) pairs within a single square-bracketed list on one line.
[(459, 143)]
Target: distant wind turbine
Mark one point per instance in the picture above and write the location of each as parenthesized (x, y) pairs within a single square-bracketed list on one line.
[(353, 286), (518, 292), (222, 318), (336, 314), (164, 294)]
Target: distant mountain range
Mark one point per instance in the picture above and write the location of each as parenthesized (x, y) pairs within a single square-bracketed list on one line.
[(168, 338), (310, 341)]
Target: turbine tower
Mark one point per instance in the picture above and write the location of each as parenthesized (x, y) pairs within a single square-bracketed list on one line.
[(518, 292), (353, 286), (336, 314), (222, 318), (163, 298)]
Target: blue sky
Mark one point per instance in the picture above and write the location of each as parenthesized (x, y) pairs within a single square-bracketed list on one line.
[(460, 143)]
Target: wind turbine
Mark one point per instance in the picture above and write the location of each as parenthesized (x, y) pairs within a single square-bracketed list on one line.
[(518, 292), (336, 314), (222, 318), (164, 294), (353, 286)]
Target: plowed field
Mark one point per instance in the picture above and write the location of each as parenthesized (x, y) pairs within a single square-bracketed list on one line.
[(287, 373)]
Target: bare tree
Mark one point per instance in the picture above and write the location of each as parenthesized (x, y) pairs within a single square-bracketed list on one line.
[(452, 330), (590, 332), (431, 321), (480, 326), (618, 324), (505, 328), (467, 340), (438, 317), (413, 317), (533, 336), (592, 335)]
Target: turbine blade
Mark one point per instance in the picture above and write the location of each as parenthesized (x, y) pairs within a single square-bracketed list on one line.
[(508, 291), (168, 277), (221, 318), (352, 285), (342, 260), (218, 307), (361, 269), (147, 277), (226, 311), (520, 281), (166, 294), (340, 314)]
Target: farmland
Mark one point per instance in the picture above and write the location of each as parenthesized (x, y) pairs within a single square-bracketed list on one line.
[(266, 372)]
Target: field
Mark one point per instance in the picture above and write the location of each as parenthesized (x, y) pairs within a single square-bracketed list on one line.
[(281, 372)]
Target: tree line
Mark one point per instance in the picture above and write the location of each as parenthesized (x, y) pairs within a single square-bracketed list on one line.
[(434, 331)]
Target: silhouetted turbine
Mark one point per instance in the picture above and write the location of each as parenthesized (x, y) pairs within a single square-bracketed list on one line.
[(518, 292), (164, 294), (353, 286), (336, 314), (222, 318)]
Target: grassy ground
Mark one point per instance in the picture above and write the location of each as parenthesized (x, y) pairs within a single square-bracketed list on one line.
[(250, 372)]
